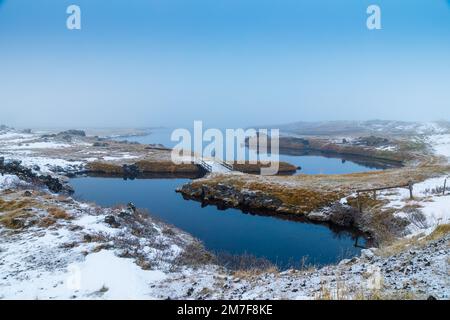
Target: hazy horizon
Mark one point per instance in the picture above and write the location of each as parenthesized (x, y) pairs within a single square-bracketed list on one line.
[(228, 63)]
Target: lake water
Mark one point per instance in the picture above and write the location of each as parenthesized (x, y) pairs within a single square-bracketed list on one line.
[(309, 164), (283, 242)]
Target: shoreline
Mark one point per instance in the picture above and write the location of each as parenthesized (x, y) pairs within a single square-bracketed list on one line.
[(429, 246), (81, 236)]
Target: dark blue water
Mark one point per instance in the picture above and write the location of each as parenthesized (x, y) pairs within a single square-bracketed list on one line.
[(309, 164), (283, 242)]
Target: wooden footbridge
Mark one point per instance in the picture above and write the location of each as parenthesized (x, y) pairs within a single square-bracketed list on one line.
[(214, 165)]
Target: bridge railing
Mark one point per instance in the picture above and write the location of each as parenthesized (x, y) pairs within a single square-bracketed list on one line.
[(205, 166), (226, 165)]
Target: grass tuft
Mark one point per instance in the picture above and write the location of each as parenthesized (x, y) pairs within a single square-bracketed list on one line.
[(58, 213), (441, 231)]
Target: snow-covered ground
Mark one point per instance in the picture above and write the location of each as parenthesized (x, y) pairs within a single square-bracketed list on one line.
[(431, 204), (429, 196), (47, 154), (93, 256), (428, 200), (8, 180), (83, 256), (441, 144), (86, 257), (25, 147)]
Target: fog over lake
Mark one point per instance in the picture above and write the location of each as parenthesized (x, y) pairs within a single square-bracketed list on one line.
[(228, 63)]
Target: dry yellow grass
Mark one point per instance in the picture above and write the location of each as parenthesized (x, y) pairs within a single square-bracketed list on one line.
[(441, 231), (12, 205), (303, 199), (46, 222), (58, 213), (305, 193), (403, 244), (13, 213), (147, 166), (298, 200), (104, 167), (254, 272), (283, 167)]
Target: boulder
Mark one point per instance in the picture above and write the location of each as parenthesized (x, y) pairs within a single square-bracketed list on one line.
[(367, 254), (130, 171), (79, 133), (27, 174), (100, 144), (111, 220), (318, 216)]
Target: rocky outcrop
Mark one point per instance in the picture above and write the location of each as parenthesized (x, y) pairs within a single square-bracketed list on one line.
[(228, 196), (27, 174), (79, 133), (100, 144), (130, 171), (69, 135), (363, 149), (337, 213), (372, 141)]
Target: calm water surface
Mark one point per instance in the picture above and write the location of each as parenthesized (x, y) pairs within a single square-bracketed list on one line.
[(284, 242), (309, 164), (281, 241)]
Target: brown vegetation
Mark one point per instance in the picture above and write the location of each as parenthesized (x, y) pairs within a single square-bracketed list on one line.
[(14, 213), (58, 213), (304, 200), (147, 166), (144, 166), (255, 168), (104, 167), (22, 212), (401, 245)]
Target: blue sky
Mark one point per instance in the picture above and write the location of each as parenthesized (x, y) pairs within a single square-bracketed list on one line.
[(229, 63)]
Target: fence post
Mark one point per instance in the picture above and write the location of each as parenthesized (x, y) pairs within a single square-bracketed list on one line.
[(410, 186), (359, 203)]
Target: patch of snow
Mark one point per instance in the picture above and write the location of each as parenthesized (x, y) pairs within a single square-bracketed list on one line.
[(387, 148), (8, 181), (47, 164), (121, 157), (37, 145), (437, 212), (96, 224), (430, 128), (217, 167), (434, 206), (441, 144), (15, 135), (113, 277)]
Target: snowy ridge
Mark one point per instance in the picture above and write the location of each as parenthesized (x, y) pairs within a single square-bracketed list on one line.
[(440, 144)]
